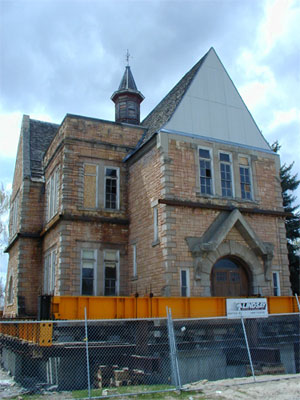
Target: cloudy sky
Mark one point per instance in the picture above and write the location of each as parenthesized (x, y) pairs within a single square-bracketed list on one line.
[(68, 56)]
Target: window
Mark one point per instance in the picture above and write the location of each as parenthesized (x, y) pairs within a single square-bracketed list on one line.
[(184, 282), (205, 171), (155, 224), (245, 178), (88, 272), (111, 272), (90, 186), (111, 188), (49, 272), (134, 269), (276, 284), (226, 177), (10, 291), (14, 211), (52, 187)]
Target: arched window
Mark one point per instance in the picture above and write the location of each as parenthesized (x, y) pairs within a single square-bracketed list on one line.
[(230, 278)]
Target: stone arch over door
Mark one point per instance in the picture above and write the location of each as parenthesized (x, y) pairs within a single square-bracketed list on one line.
[(213, 245), (205, 262)]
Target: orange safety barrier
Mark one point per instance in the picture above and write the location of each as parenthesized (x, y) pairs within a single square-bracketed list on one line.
[(72, 307)]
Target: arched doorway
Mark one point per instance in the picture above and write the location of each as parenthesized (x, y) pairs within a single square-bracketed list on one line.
[(230, 278)]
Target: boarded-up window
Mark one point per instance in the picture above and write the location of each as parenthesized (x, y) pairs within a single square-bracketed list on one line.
[(90, 186)]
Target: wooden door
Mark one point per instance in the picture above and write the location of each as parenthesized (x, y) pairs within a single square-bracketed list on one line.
[(229, 279)]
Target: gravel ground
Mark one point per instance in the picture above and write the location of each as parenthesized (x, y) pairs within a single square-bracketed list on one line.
[(267, 387)]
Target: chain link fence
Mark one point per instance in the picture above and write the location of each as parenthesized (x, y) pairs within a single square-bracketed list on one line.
[(105, 357)]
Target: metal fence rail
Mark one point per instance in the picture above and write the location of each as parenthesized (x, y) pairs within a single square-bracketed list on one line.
[(105, 357)]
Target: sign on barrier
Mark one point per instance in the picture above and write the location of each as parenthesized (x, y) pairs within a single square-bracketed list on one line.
[(247, 308)]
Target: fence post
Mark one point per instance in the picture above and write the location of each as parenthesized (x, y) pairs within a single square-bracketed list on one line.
[(173, 350), (87, 353), (297, 302), (248, 349)]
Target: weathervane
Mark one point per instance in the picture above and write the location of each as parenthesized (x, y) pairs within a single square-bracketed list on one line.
[(128, 55)]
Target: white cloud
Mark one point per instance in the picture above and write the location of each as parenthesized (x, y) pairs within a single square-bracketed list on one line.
[(277, 17), (284, 117), (10, 124)]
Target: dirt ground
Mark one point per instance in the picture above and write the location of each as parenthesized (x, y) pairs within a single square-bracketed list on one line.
[(267, 387)]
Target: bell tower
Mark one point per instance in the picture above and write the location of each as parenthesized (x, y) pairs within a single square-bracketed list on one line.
[(127, 98)]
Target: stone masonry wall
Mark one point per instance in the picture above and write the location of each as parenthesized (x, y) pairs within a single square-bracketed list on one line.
[(181, 177), (144, 189)]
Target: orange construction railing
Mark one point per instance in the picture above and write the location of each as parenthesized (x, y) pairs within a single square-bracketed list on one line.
[(72, 307)]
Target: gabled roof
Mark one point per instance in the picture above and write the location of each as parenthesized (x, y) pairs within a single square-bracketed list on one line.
[(40, 137), (161, 114), (205, 104)]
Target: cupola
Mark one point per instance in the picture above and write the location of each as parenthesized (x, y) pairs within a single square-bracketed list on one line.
[(127, 100)]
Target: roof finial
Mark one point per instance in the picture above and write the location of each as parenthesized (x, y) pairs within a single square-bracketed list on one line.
[(128, 55)]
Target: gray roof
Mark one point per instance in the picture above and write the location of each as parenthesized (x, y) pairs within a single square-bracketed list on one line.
[(161, 114), (40, 137), (127, 85), (127, 81)]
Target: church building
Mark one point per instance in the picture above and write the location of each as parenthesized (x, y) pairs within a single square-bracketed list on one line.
[(186, 202)]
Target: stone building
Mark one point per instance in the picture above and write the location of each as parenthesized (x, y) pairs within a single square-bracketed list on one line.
[(186, 203)]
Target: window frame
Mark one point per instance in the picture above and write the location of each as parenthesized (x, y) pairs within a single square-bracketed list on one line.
[(52, 193), (117, 284), (14, 209), (155, 224), (230, 163), (211, 169), (10, 291), (250, 177), (49, 272), (117, 187), (276, 289), (94, 269), (188, 284), (134, 261)]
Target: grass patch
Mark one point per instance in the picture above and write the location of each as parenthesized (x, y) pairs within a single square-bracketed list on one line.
[(141, 393)]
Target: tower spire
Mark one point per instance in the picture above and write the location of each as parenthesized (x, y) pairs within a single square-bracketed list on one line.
[(127, 98)]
